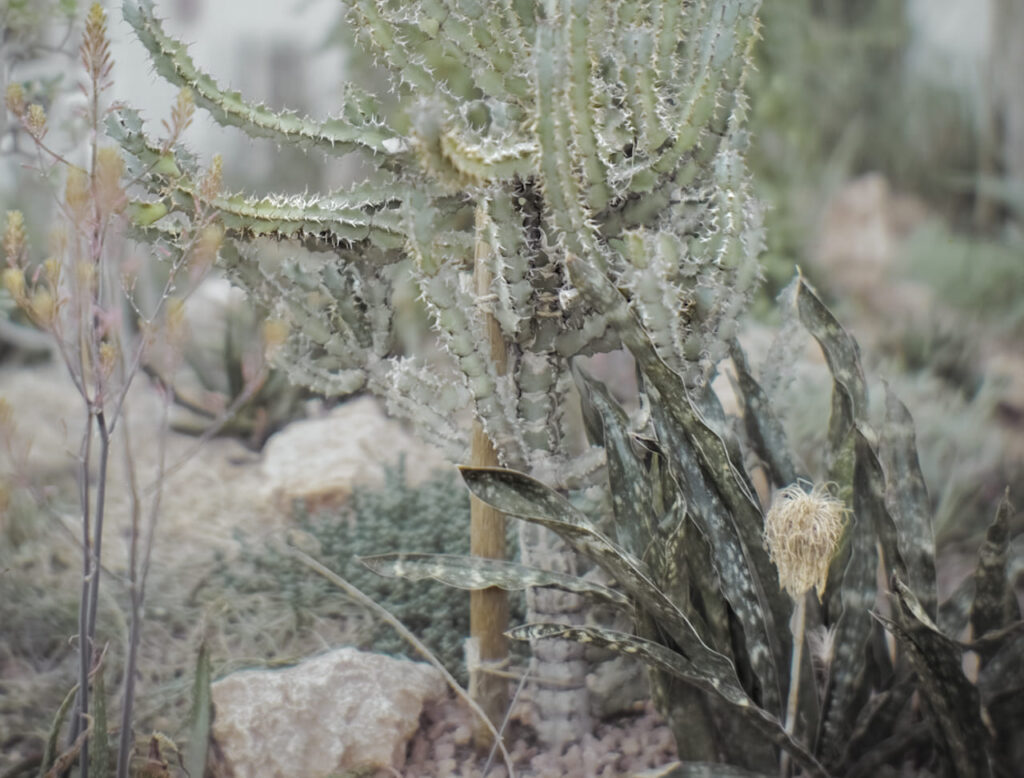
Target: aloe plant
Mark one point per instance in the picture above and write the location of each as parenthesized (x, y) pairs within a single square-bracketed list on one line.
[(520, 138), (684, 544)]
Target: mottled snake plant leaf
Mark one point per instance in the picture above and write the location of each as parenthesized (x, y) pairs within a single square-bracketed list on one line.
[(764, 429), (669, 661), (852, 592), (516, 494), (849, 392), (995, 603), (907, 499), (636, 516), (719, 496), (701, 770), (953, 703), (465, 572)]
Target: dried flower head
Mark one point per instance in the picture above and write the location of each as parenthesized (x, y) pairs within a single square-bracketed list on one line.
[(51, 272), (211, 184), (109, 356), (15, 243), (76, 193), (802, 531), (43, 307), (109, 168), (95, 50), (204, 253), (181, 115), (14, 282), (15, 99), (35, 122)]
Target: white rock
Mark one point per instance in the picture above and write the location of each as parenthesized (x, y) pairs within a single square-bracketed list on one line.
[(336, 711), (322, 460)]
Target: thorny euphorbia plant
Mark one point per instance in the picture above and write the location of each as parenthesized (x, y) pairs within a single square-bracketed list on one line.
[(88, 294)]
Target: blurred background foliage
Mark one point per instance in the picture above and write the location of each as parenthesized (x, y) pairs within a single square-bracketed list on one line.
[(843, 89)]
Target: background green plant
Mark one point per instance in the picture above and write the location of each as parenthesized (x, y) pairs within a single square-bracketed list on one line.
[(431, 516)]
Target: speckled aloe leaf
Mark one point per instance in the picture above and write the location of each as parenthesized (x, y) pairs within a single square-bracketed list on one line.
[(764, 429), (954, 705), (869, 500), (516, 494), (664, 659), (852, 590), (631, 494), (717, 494), (467, 572), (849, 391), (354, 129), (995, 603), (907, 499), (701, 770)]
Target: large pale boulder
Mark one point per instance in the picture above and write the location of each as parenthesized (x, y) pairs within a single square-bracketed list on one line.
[(321, 460), (334, 712)]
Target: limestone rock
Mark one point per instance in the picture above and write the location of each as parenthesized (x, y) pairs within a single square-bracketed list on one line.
[(337, 711), (321, 460)]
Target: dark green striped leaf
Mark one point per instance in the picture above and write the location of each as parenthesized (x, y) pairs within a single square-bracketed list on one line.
[(629, 485), (995, 603), (907, 499), (516, 494), (666, 660), (717, 492), (469, 572), (764, 429), (849, 390), (953, 702)]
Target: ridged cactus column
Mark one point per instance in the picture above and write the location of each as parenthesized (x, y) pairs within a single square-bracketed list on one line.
[(610, 131)]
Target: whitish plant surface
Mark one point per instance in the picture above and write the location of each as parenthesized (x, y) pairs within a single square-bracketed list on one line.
[(522, 138), (684, 543)]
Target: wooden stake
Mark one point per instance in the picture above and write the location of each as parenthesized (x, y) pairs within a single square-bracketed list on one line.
[(488, 608)]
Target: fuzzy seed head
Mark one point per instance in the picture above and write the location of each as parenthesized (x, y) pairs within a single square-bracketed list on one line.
[(109, 169), (802, 532), (76, 193), (35, 122), (51, 272), (15, 99), (43, 307), (211, 184), (15, 243), (14, 283), (109, 354), (206, 248)]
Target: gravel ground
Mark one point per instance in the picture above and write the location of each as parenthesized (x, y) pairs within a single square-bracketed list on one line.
[(442, 748)]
